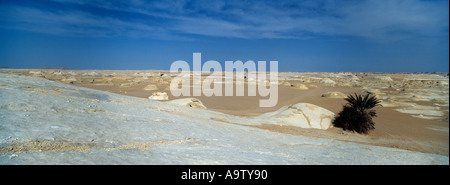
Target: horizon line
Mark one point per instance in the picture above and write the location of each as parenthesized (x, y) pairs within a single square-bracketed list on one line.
[(64, 68)]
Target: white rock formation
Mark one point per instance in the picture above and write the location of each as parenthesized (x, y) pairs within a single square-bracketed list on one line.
[(286, 83), (302, 115), (300, 86), (327, 81), (159, 96), (188, 102), (383, 78), (354, 78), (334, 95), (36, 73), (71, 79)]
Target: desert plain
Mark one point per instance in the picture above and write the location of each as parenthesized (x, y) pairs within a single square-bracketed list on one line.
[(412, 120)]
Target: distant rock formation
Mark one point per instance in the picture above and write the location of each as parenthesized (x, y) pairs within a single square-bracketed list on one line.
[(334, 95), (286, 83), (383, 78), (71, 79), (327, 81), (354, 78), (299, 86), (36, 73), (159, 96), (188, 102)]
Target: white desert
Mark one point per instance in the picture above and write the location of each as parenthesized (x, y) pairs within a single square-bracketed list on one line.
[(51, 116)]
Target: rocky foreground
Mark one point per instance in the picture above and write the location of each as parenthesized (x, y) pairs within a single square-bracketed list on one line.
[(49, 122)]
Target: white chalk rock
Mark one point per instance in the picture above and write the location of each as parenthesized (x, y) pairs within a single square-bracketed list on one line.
[(188, 102), (442, 83), (327, 81), (286, 83), (71, 79), (300, 86), (354, 78), (302, 115), (383, 78), (334, 95), (159, 96), (36, 73), (57, 73)]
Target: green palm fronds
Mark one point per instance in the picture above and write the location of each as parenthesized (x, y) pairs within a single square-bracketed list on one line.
[(357, 115), (362, 103)]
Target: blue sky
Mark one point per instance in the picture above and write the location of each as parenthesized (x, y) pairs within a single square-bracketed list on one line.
[(311, 35)]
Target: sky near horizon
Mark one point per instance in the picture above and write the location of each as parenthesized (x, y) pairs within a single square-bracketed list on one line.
[(309, 35)]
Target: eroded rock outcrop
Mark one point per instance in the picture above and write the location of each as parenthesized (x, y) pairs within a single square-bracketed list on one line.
[(334, 95), (159, 96), (188, 102), (302, 115)]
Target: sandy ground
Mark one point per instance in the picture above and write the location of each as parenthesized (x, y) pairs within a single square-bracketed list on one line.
[(393, 128)]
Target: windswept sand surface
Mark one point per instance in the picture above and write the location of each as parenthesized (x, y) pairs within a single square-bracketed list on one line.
[(414, 115)]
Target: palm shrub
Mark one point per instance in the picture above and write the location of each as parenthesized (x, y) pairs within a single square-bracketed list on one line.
[(357, 114)]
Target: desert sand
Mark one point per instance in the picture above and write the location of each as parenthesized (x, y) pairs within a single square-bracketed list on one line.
[(413, 115)]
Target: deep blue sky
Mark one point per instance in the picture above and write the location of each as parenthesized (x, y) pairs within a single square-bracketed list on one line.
[(311, 35)]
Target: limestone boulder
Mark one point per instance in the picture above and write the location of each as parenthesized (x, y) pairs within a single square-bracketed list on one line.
[(300, 86), (159, 96), (286, 83), (188, 102), (71, 79), (302, 115)]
